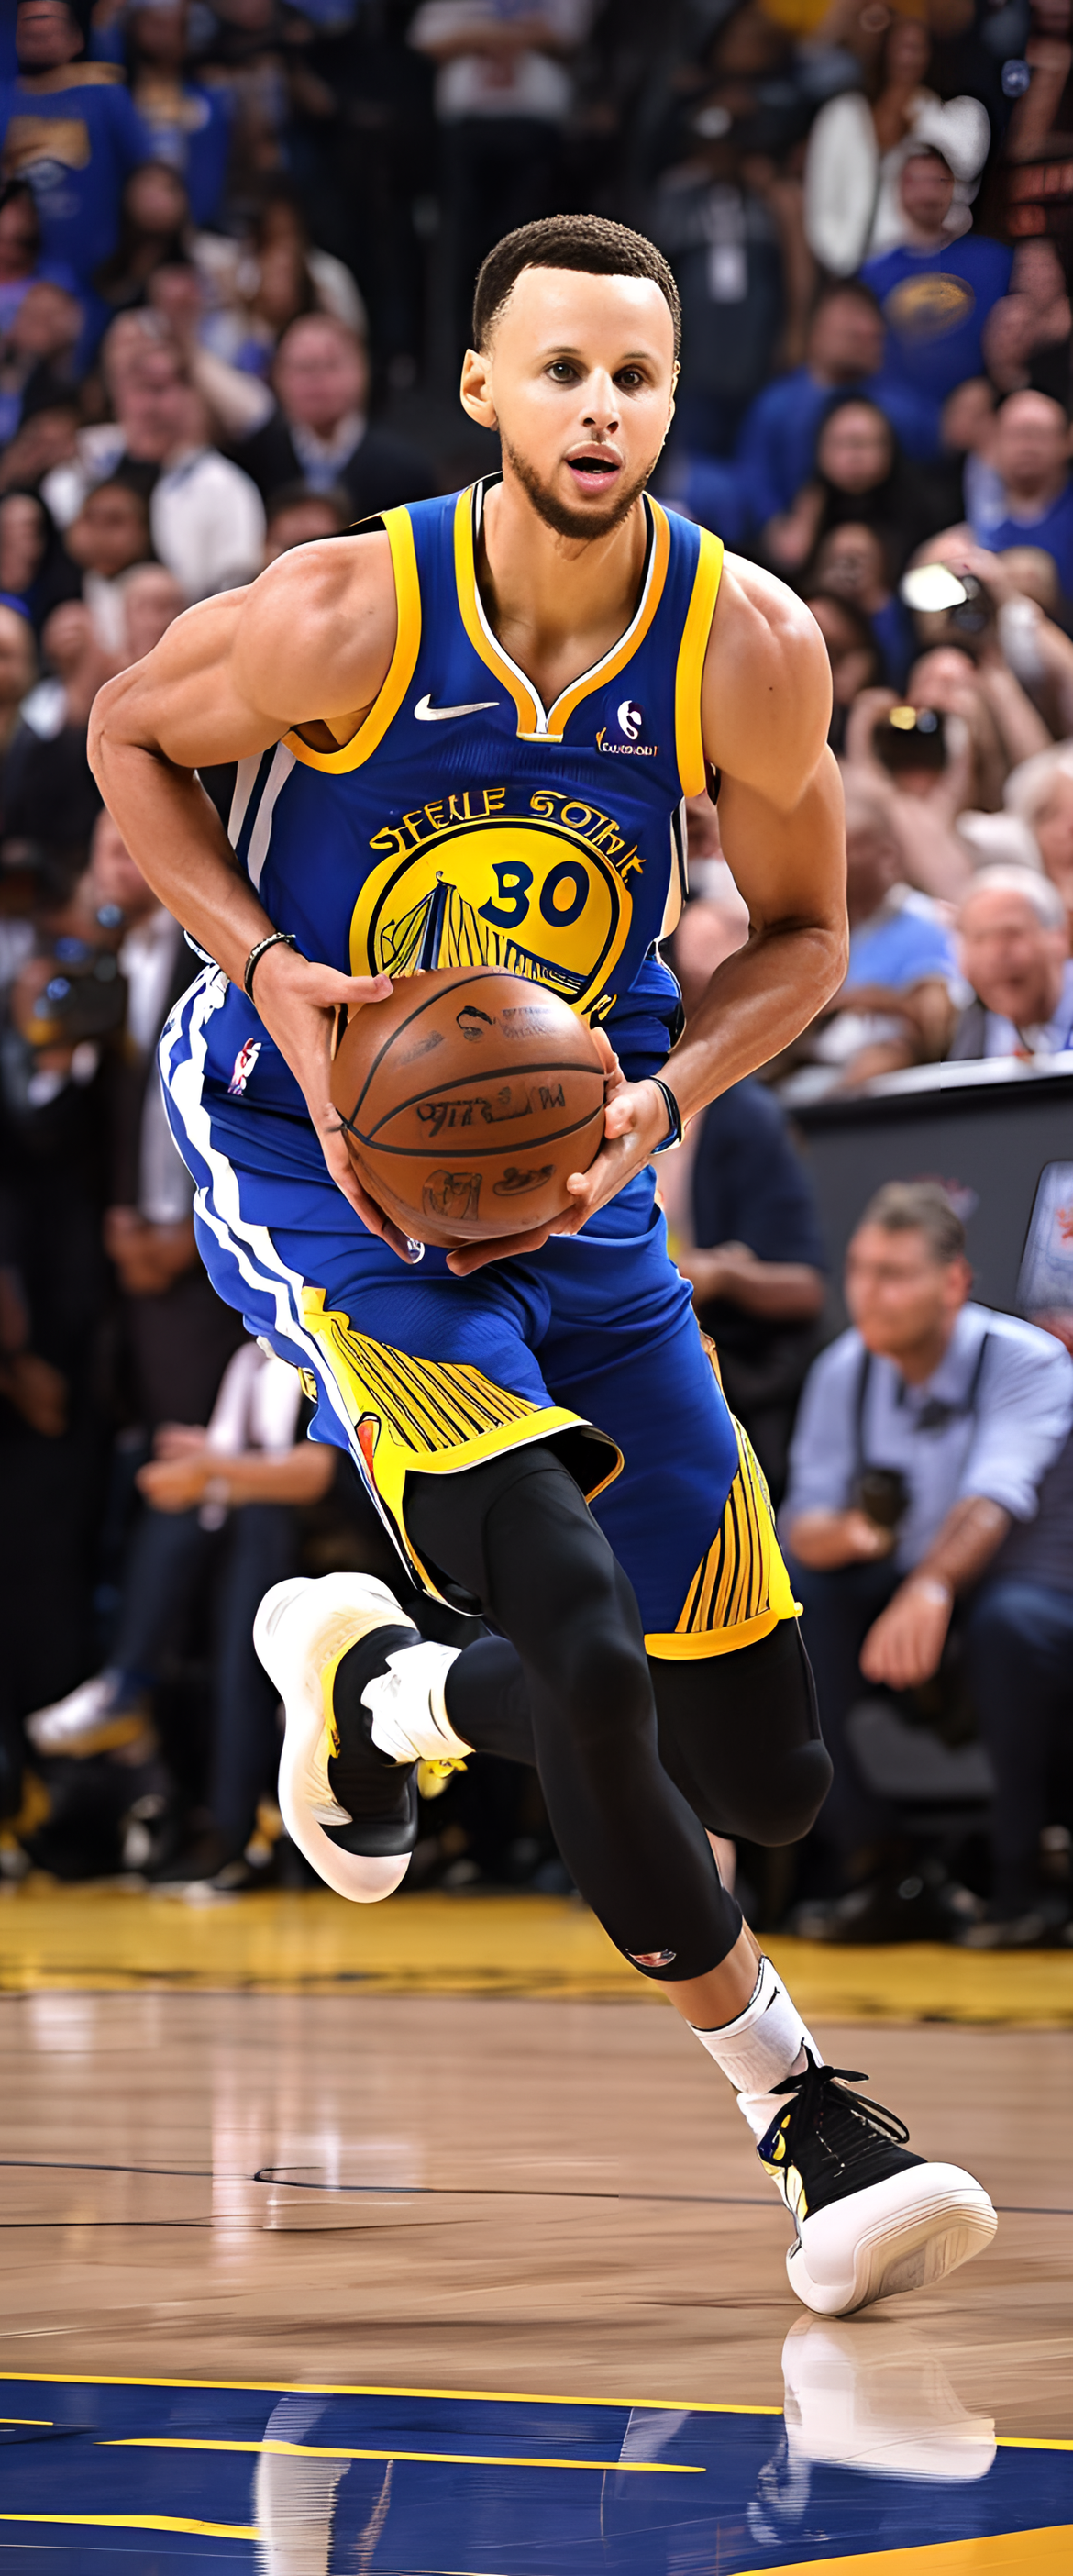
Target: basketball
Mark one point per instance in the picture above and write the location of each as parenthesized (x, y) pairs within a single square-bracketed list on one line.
[(467, 1099)]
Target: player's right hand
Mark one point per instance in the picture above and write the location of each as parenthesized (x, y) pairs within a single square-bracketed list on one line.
[(299, 1003)]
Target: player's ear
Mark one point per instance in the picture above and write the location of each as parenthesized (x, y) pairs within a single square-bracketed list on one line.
[(476, 388)]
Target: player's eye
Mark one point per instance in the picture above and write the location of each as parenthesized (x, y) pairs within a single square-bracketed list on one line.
[(562, 370), (629, 378)]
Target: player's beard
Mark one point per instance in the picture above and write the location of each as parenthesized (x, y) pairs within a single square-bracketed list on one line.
[(558, 515)]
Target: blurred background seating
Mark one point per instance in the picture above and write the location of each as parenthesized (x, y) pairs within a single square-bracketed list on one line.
[(237, 245)]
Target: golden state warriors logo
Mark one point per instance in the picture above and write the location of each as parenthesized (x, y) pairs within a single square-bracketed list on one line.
[(540, 894), (926, 308)]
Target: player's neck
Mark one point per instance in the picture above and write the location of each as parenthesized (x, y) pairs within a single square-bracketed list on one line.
[(556, 603)]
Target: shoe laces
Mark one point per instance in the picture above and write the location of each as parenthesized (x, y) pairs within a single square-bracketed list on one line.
[(847, 2124)]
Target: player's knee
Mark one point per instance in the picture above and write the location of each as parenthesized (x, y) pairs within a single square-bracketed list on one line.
[(602, 1684), (786, 1802)]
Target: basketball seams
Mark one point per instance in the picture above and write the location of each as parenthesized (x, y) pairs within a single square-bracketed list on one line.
[(465, 1082), (440, 1149), (477, 975)]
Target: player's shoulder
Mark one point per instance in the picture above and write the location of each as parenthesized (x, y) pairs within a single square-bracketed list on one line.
[(332, 577), (764, 642), (322, 621)]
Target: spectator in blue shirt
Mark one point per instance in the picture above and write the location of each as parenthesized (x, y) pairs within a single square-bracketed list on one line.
[(70, 129), (1030, 455), (897, 1005), (935, 293), (776, 446), (925, 1433), (844, 354), (190, 125)]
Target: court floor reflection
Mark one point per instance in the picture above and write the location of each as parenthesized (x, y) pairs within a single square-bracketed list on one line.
[(875, 2454)]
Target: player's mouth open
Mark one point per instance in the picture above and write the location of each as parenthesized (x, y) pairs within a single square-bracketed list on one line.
[(596, 472)]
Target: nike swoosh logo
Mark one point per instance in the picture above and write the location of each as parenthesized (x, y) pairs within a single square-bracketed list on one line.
[(426, 713)]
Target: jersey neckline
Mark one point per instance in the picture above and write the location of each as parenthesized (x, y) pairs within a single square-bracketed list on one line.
[(535, 721)]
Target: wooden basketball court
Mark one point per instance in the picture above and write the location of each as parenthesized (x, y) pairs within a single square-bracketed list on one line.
[(423, 2242)]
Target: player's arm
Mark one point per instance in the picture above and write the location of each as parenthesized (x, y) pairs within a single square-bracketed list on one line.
[(308, 645), (766, 704)]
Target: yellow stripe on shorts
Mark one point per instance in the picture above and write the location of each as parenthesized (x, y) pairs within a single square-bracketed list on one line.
[(434, 1417), (741, 1588)]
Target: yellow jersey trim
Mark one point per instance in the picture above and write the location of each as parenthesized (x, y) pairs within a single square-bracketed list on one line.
[(534, 723), (385, 706), (692, 768), (484, 642)]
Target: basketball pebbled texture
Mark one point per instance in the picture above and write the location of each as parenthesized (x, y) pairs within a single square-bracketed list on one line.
[(467, 1098)]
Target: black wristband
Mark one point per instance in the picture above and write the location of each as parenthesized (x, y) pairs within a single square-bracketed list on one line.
[(674, 1132), (275, 939)]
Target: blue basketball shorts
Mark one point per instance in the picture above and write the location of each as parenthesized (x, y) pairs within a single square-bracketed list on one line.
[(590, 1345)]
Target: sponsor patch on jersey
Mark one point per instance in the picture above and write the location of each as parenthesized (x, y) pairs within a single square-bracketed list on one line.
[(624, 730), (243, 1067)]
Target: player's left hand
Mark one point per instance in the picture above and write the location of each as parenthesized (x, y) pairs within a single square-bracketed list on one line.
[(905, 1644), (635, 1122)]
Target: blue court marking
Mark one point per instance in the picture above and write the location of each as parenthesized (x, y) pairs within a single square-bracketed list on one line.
[(149, 2478)]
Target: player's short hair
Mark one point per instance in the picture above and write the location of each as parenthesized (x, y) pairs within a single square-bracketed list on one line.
[(591, 243), (919, 1207)]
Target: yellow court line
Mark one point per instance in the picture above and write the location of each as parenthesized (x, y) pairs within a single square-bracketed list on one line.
[(143, 2522), (26, 2419), (334, 2388), (1024, 2442), (1004, 2553), (447, 2459)]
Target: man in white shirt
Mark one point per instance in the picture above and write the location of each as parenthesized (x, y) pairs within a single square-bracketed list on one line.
[(206, 516), (503, 93), (1014, 941), (924, 1433)]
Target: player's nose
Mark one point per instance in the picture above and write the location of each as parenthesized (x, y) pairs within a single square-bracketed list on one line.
[(601, 405)]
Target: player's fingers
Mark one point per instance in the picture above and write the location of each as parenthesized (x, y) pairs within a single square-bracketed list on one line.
[(612, 1070), (325, 986), (504, 1247)]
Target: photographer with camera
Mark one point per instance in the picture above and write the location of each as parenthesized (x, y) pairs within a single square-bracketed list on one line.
[(924, 1434)]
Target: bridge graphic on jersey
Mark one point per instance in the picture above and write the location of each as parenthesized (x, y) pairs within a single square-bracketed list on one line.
[(444, 930)]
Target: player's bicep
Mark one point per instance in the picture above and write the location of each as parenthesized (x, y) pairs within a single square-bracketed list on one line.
[(185, 701), (790, 867), (766, 688)]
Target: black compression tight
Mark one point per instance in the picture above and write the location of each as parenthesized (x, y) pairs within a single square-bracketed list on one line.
[(568, 1686)]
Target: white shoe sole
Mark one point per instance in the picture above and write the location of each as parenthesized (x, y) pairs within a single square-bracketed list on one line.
[(902, 2234), (299, 1626)]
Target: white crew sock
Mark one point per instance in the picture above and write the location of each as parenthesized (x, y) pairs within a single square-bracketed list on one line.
[(409, 1713), (765, 2044)]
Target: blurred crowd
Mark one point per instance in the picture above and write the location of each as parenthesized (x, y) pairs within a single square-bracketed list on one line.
[(237, 245)]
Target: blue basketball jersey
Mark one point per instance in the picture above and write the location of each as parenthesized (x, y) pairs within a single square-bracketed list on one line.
[(466, 822)]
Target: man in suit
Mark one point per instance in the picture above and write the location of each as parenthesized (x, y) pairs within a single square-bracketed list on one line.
[(318, 431)]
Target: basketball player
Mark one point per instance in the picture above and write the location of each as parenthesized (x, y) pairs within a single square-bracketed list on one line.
[(465, 732)]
